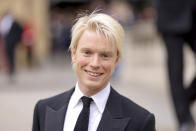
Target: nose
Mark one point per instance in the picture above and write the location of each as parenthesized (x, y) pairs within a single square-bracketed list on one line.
[(95, 62)]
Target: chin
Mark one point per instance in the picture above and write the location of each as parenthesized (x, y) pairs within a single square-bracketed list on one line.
[(94, 84)]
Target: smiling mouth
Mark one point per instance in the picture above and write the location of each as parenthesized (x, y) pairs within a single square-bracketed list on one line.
[(94, 74)]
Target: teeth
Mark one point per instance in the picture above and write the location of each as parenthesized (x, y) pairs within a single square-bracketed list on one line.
[(93, 74)]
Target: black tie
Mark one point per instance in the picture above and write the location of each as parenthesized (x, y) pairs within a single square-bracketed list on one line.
[(83, 119)]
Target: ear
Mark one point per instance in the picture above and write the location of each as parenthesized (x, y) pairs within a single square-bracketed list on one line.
[(117, 60), (73, 55)]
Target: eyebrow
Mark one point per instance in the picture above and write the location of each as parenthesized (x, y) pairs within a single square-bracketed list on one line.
[(102, 51)]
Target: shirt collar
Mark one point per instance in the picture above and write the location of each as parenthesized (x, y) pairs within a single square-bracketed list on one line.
[(75, 99), (100, 99)]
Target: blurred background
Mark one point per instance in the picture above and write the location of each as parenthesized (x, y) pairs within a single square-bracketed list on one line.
[(39, 63)]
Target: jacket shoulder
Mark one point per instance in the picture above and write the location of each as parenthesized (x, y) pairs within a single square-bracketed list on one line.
[(129, 104), (56, 101), (140, 116)]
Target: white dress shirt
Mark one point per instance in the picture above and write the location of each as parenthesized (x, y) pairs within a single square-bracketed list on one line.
[(5, 24), (96, 108)]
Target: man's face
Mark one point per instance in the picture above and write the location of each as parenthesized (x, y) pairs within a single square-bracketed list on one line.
[(94, 62)]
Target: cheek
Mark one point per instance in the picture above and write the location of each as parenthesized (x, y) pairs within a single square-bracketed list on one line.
[(109, 66), (82, 61)]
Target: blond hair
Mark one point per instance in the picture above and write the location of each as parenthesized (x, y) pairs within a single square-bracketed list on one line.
[(102, 24)]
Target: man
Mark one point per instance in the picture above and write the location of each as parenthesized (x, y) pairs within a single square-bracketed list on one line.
[(177, 24), (96, 48), (11, 31)]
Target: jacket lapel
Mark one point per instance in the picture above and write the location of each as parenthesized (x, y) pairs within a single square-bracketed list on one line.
[(112, 118), (54, 119)]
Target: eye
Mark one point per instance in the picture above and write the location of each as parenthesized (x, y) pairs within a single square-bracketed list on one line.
[(105, 55), (86, 53)]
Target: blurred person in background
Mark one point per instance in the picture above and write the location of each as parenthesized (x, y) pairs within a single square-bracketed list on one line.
[(143, 9), (177, 24), (28, 39), (96, 47), (3, 59), (11, 32), (56, 27)]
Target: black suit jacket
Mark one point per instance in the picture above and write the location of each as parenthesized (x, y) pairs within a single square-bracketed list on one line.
[(14, 35), (120, 114), (174, 16)]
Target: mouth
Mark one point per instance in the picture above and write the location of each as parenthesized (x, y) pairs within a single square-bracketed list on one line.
[(93, 74)]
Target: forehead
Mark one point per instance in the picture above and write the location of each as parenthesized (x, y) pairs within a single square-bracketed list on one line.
[(93, 40)]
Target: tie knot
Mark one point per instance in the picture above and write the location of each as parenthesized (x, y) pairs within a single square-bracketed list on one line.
[(86, 101)]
